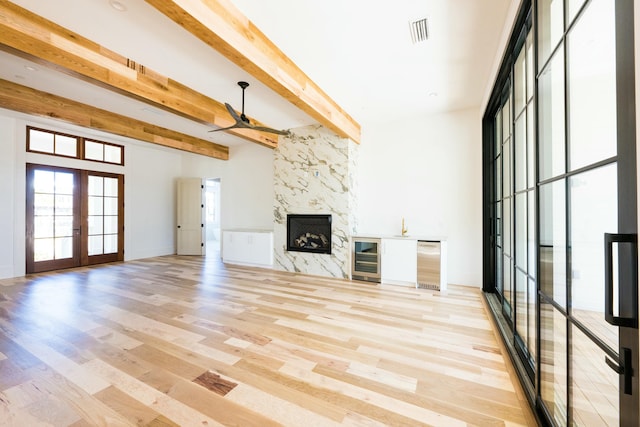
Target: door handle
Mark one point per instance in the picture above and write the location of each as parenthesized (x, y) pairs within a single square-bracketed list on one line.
[(628, 289), (626, 369)]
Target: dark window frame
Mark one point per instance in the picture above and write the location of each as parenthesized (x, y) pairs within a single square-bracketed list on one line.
[(80, 146)]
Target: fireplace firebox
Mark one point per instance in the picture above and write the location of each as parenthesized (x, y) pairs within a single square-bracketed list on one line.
[(309, 233)]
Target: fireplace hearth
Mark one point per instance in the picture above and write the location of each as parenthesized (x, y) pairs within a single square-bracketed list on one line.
[(309, 233)]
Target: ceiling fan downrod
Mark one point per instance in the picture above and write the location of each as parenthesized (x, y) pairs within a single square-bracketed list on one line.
[(243, 85)]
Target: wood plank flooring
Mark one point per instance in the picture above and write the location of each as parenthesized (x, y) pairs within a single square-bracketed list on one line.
[(189, 341)]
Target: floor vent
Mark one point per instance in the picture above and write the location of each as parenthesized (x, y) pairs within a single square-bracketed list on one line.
[(429, 286)]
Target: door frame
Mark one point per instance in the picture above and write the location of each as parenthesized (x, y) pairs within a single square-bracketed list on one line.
[(40, 266), (85, 258), (216, 228), (627, 193), (80, 223)]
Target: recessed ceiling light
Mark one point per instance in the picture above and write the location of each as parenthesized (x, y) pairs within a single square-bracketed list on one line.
[(117, 5), (30, 68)]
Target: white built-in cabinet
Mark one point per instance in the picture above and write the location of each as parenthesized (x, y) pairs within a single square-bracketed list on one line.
[(248, 247), (399, 261)]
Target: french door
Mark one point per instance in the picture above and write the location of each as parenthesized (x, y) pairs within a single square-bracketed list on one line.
[(73, 218)]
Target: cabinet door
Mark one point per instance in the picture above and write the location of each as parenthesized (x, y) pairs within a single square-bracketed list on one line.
[(259, 248), (247, 248), (229, 247), (399, 261)]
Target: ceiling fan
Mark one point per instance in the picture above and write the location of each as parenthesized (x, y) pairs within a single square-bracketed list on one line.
[(242, 121)]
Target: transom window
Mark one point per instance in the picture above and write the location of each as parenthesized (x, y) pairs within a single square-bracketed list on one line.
[(60, 144)]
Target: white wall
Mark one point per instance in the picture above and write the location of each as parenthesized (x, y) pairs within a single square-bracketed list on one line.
[(246, 184), (149, 192), (8, 197), (150, 173), (429, 171)]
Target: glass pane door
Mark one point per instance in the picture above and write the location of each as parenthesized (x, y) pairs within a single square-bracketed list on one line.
[(514, 197), (73, 218), (104, 218), (591, 192), (103, 215), (524, 216), (506, 285), (560, 254), (53, 218), (587, 154)]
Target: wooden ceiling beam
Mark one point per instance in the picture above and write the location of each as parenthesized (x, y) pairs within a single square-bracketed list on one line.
[(222, 26), (29, 35), (31, 101)]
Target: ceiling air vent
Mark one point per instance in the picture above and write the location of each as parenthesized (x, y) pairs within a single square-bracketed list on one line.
[(419, 32)]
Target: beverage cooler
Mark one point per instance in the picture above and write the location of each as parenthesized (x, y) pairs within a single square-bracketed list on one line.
[(366, 259)]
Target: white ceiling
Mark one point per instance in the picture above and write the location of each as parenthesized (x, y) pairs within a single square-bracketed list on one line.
[(361, 55)]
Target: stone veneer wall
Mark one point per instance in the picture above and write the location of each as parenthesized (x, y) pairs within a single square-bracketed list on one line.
[(315, 173)]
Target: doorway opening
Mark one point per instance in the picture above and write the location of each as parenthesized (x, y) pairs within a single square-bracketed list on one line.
[(212, 217)]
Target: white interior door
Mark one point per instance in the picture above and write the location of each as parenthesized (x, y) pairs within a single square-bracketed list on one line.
[(190, 217)]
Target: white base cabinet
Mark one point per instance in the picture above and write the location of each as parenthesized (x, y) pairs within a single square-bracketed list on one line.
[(399, 263), (406, 261), (253, 248)]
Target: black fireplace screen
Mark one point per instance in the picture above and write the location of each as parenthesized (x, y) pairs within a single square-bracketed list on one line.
[(309, 233)]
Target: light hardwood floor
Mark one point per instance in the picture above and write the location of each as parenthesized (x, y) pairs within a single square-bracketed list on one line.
[(188, 341)]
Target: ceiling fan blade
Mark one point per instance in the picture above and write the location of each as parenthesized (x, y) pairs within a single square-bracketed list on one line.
[(270, 130), (227, 128), (238, 125), (233, 113), (239, 122), (243, 125), (243, 122)]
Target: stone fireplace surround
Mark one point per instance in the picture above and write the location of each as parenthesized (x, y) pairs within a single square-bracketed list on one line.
[(314, 174)]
